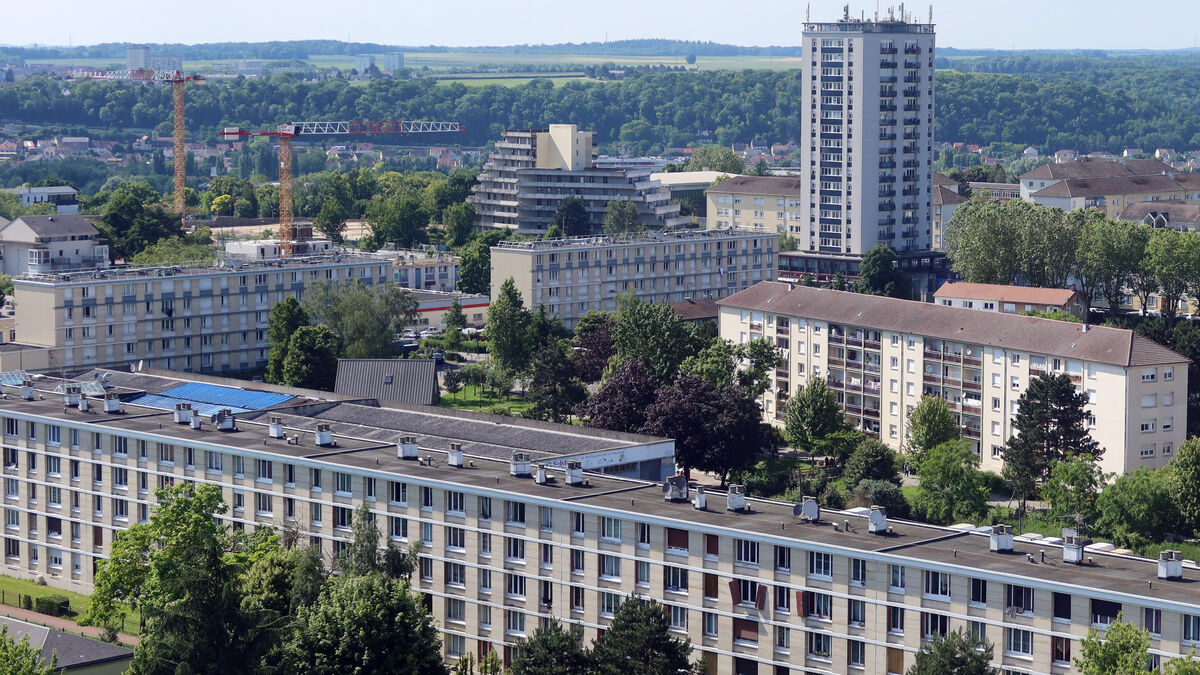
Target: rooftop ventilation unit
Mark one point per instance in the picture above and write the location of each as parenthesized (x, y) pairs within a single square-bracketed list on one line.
[(808, 510), (675, 488), (539, 475), (407, 448), (520, 465), (324, 437), (1072, 547), (112, 404), (456, 455), (1001, 539), (1170, 565), (27, 390), (197, 422), (701, 499), (183, 413), (574, 472), (71, 395), (225, 420), (83, 403), (735, 500), (877, 520), (275, 427)]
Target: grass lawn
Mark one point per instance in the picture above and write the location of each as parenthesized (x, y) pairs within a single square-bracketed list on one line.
[(79, 602), (473, 398)]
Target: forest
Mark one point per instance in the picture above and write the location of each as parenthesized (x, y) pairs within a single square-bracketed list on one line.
[(1111, 104)]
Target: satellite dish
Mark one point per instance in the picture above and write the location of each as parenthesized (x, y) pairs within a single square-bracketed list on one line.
[(666, 487), (810, 510), (66, 92), (796, 511)]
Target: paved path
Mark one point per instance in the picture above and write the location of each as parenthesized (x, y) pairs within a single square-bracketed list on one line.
[(61, 623)]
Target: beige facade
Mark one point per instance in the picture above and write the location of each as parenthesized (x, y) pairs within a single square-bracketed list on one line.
[(772, 203), (881, 355), (756, 590), (576, 275), (201, 319)]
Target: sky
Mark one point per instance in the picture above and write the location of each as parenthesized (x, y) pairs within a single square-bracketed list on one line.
[(967, 24)]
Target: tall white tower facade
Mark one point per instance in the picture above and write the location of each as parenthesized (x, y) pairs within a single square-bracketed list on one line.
[(868, 157)]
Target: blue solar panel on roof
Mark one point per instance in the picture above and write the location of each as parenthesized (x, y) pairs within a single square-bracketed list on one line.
[(226, 397), (168, 403)]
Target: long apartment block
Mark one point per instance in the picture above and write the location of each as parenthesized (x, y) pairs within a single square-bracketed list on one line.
[(881, 355), (522, 522), (575, 275), (201, 319)]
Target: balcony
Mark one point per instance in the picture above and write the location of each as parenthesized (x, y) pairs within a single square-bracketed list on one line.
[(972, 409), (887, 107), (871, 344), (909, 220), (910, 176), (952, 357), (854, 341), (908, 234), (933, 354), (885, 192), (887, 163), (912, 120), (836, 338), (885, 63), (1037, 371), (887, 178), (912, 107), (888, 79), (910, 206), (889, 136), (887, 206), (912, 135), (911, 92), (971, 433), (930, 377), (912, 79), (836, 362), (886, 236), (910, 191), (871, 412), (971, 361), (912, 49), (910, 149), (912, 64), (887, 222), (890, 50), (973, 385)]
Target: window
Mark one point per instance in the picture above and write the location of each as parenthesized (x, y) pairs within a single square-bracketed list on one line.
[(514, 623), (937, 584), (978, 592), (678, 618), (783, 599), (820, 564), (610, 529), (454, 502), (576, 561), (782, 638), (677, 540), (934, 625), (456, 574), (819, 645), (712, 546), (514, 585), (1060, 649), (1017, 641), (514, 549), (643, 535), (856, 612), (342, 517), (746, 552), (710, 624), (610, 567), (427, 534), (1191, 628), (858, 572), (515, 512), (343, 482), (1062, 607), (817, 605), (641, 572), (1152, 621), (1019, 598), (783, 558), (978, 630), (485, 508), (745, 630), (897, 576), (1149, 375), (547, 519), (895, 619), (857, 653), (675, 579), (485, 544), (215, 461), (316, 479), (609, 602), (456, 538)]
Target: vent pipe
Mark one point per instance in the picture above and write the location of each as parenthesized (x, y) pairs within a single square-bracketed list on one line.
[(700, 502), (574, 472), (539, 476), (83, 404)]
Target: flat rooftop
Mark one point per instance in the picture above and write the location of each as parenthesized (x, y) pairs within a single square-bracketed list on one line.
[(363, 441), (655, 237), (232, 266)]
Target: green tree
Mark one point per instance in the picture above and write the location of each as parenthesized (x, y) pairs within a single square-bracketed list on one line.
[(174, 251), (331, 220), (6, 288), (475, 268), (881, 276), (1137, 509), (1053, 313), (458, 221), (222, 205), (811, 415), (571, 217), (508, 328), (1073, 487), (364, 624), (930, 424), (690, 59), (400, 218), (952, 489), (182, 570), (715, 158), (454, 315), (980, 241), (552, 650), (1174, 260), (133, 219), (622, 218), (453, 381), (872, 460), (623, 399), (366, 320), (1185, 483), (1122, 649), (656, 336), (639, 642), (593, 345), (285, 317), (1110, 252), (554, 389), (880, 493), (1050, 425), (312, 358), (363, 556), (958, 653), (22, 658)]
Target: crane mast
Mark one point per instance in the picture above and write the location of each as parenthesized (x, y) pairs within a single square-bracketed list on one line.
[(292, 236)]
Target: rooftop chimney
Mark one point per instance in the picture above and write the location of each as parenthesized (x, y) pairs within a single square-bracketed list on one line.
[(275, 427), (324, 437), (112, 404), (1170, 565), (27, 390), (407, 448), (675, 488), (877, 520), (701, 499), (225, 420), (574, 472), (456, 455), (1072, 547), (197, 423), (735, 500), (183, 413), (71, 395), (520, 465), (1001, 539), (539, 475)]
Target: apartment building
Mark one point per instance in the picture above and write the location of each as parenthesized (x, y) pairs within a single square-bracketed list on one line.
[(868, 159), (201, 319), (1012, 299), (946, 201), (64, 198), (532, 170), (575, 275), (773, 203), (881, 355), (518, 523), (41, 244), (425, 269), (1087, 168)]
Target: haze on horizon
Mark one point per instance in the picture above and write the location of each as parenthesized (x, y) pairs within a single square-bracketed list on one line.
[(964, 24)]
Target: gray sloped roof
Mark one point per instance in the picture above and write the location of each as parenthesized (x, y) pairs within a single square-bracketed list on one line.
[(72, 651), (388, 380), (59, 225)]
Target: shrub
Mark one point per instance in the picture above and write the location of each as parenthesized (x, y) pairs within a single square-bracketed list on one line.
[(27, 602), (54, 605)]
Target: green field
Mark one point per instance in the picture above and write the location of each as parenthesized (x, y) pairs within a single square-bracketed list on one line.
[(79, 602)]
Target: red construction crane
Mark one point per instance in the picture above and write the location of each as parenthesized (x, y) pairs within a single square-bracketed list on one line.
[(289, 233), (176, 79)]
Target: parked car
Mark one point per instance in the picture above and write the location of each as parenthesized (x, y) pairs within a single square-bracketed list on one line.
[(408, 333)]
